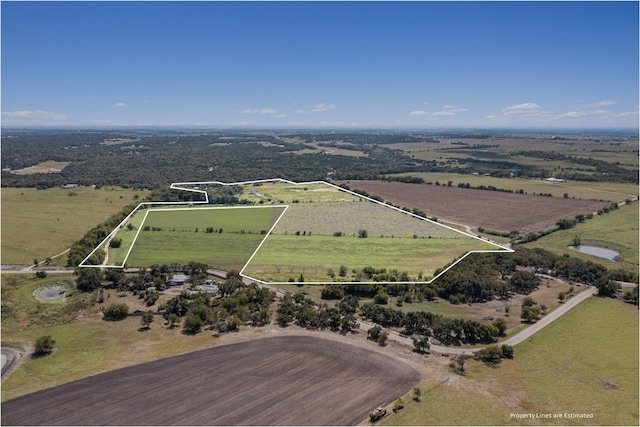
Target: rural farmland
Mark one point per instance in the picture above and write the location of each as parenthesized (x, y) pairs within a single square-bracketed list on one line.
[(219, 237), (489, 209), (272, 381)]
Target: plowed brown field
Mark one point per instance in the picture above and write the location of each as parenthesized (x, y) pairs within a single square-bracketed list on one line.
[(480, 208), (294, 380)]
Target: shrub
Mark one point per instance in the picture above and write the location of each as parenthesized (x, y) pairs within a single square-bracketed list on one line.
[(44, 345), (116, 312)]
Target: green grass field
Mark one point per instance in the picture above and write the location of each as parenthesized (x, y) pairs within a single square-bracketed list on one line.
[(179, 242), (286, 193), (616, 230), (21, 311), (42, 223), (586, 362), (287, 256)]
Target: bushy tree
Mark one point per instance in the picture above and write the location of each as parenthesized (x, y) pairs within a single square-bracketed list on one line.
[(44, 345), (116, 312), (89, 279), (421, 345), (193, 324), (524, 282), (146, 319)]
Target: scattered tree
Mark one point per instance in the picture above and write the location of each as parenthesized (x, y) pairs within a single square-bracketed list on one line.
[(146, 319), (421, 345)]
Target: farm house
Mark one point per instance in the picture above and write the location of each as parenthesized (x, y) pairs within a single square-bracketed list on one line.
[(178, 280)]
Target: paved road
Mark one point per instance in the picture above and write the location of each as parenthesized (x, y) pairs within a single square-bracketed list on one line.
[(9, 357)]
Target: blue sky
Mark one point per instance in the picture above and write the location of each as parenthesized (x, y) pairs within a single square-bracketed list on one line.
[(325, 64)]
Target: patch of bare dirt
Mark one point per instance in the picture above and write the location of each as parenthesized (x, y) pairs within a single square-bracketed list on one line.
[(285, 380)]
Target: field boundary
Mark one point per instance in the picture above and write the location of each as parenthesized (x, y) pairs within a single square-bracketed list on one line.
[(189, 186)]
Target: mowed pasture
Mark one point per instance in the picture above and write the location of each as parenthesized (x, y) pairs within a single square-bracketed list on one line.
[(42, 223), (273, 381), (585, 362), (617, 230), (180, 236), (283, 258), (283, 192), (489, 209)]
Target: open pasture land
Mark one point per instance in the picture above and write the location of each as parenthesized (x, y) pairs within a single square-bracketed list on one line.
[(273, 381), (621, 151), (181, 236), (585, 362), (42, 223), (283, 192), (44, 167), (489, 209), (617, 230), (282, 258), (350, 217), (609, 191)]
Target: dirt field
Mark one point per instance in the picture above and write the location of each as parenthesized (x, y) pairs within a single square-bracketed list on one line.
[(291, 380), (479, 208)]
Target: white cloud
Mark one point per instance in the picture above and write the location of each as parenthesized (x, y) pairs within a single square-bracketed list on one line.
[(521, 108), (419, 113), (318, 108), (270, 111), (576, 114), (449, 110), (279, 116), (121, 105), (628, 114), (601, 104), (33, 115), (323, 107)]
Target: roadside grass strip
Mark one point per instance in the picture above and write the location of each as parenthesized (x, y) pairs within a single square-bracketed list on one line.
[(299, 239)]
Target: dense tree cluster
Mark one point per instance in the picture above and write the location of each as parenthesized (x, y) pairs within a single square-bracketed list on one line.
[(93, 237), (446, 330), (308, 314), (240, 304), (144, 159)]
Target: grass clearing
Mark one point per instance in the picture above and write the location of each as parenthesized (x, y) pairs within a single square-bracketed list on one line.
[(49, 166), (616, 230), (21, 311), (181, 236), (586, 362), (37, 224)]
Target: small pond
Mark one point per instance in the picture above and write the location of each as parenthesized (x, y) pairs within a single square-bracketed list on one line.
[(605, 253)]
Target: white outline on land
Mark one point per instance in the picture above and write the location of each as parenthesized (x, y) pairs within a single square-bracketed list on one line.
[(182, 186)]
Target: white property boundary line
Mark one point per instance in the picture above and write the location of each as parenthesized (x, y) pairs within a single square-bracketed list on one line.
[(183, 186)]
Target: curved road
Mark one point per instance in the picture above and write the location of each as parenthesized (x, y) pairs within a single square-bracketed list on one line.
[(516, 339), (9, 356)]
